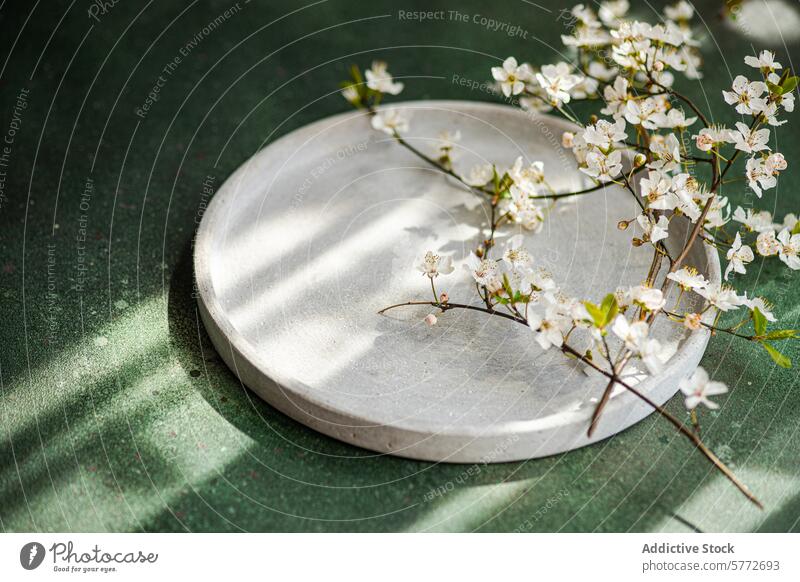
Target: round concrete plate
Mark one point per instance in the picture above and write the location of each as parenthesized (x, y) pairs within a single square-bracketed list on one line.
[(314, 234)]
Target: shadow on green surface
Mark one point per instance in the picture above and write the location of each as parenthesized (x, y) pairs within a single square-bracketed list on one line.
[(211, 455)]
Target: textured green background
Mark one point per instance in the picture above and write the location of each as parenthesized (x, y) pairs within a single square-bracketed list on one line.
[(116, 414)]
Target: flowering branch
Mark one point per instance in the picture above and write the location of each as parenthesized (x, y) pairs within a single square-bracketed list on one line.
[(642, 146), (614, 377)]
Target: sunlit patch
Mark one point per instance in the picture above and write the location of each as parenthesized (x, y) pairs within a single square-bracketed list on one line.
[(337, 261), (134, 335), (456, 506), (718, 506), (772, 22), (85, 457)]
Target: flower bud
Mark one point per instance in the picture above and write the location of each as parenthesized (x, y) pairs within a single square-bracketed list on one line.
[(479, 252), (637, 242), (658, 66), (639, 160), (444, 297), (692, 321), (567, 139), (593, 119), (430, 319), (623, 224)]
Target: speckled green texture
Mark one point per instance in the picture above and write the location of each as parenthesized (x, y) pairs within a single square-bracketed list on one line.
[(116, 414)]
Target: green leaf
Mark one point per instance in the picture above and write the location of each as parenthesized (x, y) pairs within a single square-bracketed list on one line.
[(598, 315), (776, 356), (774, 89), (610, 308), (782, 334), (507, 286), (789, 85), (356, 74), (796, 229), (759, 322), (505, 182)]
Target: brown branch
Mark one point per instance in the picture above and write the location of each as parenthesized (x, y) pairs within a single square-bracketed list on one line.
[(447, 306), (677, 424), (567, 349)]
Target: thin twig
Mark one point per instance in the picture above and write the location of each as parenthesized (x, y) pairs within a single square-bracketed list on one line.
[(677, 424), (447, 306), (712, 327)]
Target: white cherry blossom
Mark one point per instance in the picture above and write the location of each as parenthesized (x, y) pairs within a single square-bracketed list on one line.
[(685, 188), (542, 281), (775, 163), (738, 256), (654, 231), (616, 97), (390, 121), (674, 119), (447, 139), (647, 297), (549, 329), (765, 61), (633, 334), (517, 258), (623, 296), (666, 152), (527, 177), (758, 177), (654, 354), (586, 36), (766, 244), (656, 190), (750, 141), (710, 137), (585, 88), (746, 95), (789, 249), (434, 265), (680, 11), (512, 76), (722, 297), (693, 321), (754, 221), (484, 271), (603, 167), (480, 174), (698, 388), (598, 70), (771, 113), (350, 93), (379, 79), (603, 134), (557, 80), (585, 16), (763, 306), (524, 211), (644, 112), (786, 100), (688, 278), (718, 213), (611, 12)]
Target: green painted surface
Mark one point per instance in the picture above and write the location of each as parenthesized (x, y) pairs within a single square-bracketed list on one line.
[(116, 414)]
